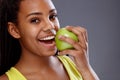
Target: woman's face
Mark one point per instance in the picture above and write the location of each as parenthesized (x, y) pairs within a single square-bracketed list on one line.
[(35, 20)]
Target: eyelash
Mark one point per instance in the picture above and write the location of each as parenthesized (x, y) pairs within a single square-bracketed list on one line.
[(35, 20), (53, 17)]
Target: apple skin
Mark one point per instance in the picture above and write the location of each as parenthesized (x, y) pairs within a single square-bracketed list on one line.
[(62, 45)]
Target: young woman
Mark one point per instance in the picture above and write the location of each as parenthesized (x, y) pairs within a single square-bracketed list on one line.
[(27, 46)]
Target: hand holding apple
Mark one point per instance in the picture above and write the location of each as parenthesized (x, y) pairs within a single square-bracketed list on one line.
[(62, 45), (80, 52)]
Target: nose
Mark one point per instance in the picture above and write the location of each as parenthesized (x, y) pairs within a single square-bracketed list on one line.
[(48, 25)]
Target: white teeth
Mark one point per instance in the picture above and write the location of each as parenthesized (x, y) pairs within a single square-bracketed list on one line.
[(48, 38)]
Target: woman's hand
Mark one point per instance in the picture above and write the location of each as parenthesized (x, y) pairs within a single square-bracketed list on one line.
[(80, 52)]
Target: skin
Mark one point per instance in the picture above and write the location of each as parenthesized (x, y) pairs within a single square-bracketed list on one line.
[(35, 19)]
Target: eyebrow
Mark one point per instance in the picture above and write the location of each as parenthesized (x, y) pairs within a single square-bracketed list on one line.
[(39, 13)]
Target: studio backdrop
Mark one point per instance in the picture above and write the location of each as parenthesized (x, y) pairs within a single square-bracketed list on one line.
[(101, 18)]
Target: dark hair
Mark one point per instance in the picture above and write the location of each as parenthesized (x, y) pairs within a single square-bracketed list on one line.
[(9, 47)]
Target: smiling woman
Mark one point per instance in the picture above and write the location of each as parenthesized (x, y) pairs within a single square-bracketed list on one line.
[(27, 44)]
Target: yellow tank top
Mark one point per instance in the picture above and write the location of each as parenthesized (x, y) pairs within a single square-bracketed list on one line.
[(14, 74)]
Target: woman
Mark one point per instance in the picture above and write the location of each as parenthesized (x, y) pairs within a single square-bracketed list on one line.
[(27, 45)]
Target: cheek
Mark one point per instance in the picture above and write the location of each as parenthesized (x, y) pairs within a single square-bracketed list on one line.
[(28, 39), (28, 30)]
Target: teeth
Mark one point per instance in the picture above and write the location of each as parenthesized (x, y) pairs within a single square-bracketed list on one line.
[(48, 38)]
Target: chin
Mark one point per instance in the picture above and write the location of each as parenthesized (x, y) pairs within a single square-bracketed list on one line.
[(51, 52)]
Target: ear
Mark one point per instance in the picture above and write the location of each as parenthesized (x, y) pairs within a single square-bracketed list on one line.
[(13, 30)]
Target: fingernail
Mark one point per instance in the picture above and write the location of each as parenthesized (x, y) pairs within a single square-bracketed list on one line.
[(68, 26), (59, 37)]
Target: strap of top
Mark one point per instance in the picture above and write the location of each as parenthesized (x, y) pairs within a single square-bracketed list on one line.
[(14, 74), (70, 68)]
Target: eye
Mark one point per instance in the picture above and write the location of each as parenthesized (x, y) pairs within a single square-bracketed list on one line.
[(53, 17), (35, 20)]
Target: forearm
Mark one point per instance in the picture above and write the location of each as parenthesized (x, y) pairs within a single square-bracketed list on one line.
[(89, 74)]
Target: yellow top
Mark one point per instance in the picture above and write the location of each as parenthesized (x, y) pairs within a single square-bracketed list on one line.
[(14, 74)]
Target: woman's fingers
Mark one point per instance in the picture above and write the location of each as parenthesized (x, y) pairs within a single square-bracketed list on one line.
[(70, 41), (70, 52), (80, 47), (82, 35)]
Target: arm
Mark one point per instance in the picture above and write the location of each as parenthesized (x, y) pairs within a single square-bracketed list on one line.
[(80, 53)]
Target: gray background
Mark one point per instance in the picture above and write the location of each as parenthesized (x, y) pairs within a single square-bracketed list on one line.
[(102, 20)]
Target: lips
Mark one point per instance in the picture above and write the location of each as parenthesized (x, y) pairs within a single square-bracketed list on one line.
[(48, 41), (47, 38)]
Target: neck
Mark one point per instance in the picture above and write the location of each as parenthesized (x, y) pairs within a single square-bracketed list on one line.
[(36, 63)]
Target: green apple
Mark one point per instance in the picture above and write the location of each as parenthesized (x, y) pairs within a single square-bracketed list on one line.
[(62, 45)]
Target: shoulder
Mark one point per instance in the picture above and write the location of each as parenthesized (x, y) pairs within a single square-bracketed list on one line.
[(3, 77)]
